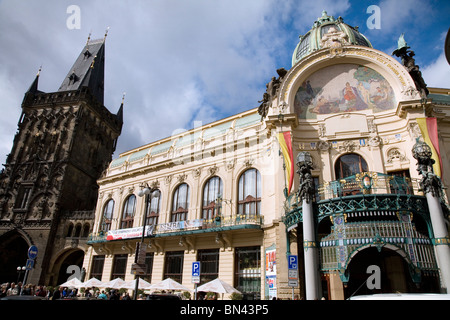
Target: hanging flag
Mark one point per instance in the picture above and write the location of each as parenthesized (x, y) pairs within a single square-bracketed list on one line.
[(428, 128), (284, 139)]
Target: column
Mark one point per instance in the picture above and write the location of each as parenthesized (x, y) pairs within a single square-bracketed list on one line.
[(306, 194), (432, 187)]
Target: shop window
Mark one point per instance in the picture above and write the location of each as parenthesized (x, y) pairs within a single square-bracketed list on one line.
[(108, 210), (153, 209), (249, 193), (148, 266), (180, 204), (211, 192), (129, 208), (209, 264), (97, 267), (119, 267), (248, 272), (173, 265)]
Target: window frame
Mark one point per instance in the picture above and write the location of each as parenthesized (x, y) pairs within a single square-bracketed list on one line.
[(107, 220), (212, 190), (127, 214), (178, 212), (247, 204)]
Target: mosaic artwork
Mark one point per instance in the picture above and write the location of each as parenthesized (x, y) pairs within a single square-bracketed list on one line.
[(343, 88)]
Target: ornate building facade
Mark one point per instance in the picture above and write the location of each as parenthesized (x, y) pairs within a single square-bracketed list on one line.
[(48, 187), (229, 197)]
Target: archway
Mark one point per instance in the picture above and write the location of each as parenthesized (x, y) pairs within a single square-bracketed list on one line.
[(74, 258), (13, 253), (394, 272)]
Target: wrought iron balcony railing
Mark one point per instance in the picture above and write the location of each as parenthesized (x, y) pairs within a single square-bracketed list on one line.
[(368, 183), (197, 225)]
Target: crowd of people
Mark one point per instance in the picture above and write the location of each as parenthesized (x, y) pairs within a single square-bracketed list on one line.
[(15, 289)]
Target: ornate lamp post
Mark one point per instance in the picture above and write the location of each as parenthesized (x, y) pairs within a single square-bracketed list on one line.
[(432, 187), (140, 258), (306, 195)]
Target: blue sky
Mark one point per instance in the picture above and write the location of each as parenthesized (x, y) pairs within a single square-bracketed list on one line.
[(184, 63)]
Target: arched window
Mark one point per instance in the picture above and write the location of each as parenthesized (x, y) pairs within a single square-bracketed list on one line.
[(211, 192), (69, 230), (108, 210), (86, 230), (128, 212), (153, 209), (77, 233), (180, 204), (349, 165), (249, 196)]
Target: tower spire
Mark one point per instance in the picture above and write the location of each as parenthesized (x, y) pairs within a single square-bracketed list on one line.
[(88, 69), (34, 86), (119, 114)]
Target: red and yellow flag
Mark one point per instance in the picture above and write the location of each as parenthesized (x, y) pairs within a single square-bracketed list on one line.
[(428, 128), (284, 139)]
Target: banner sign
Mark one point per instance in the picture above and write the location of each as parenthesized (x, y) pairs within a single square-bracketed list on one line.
[(129, 233), (177, 225)]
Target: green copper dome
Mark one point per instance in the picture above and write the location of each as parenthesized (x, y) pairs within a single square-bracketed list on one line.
[(312, 40)]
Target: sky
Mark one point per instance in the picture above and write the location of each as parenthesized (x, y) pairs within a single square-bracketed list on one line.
[(186, 63)]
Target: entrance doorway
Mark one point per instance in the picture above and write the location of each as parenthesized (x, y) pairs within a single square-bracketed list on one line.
[(74, 258), (13, 254), (394, 272)]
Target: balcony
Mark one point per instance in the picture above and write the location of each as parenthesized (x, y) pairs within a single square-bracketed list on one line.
[(365, 193), (194, 227)]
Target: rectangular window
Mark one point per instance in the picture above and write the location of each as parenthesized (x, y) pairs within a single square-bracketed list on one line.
[(22, 197), (97, 267), (209, 264), (248, 272), (149, 266), (173, 265), (119, 266), (400, 182)]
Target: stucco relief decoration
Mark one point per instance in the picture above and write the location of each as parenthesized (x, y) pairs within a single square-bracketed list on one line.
[(343, 88)]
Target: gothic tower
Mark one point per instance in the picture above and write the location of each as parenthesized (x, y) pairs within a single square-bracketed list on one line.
[(48, 188)]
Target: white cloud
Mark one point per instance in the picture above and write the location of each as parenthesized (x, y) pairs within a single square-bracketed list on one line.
[(437, 74)]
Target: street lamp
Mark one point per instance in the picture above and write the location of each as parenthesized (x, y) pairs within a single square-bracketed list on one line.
[(19, 272), (149, 193)]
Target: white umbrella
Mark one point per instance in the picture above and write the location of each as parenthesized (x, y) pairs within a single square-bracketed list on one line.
[(132, 284), (93, 282), (168, 284), (218, 286), (116, 283), (72, 283)]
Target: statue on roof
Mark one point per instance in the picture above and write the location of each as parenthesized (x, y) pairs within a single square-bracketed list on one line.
[(409, 62), (271, 92)]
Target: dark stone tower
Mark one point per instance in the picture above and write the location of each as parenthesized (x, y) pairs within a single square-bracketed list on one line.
[(48, 186)]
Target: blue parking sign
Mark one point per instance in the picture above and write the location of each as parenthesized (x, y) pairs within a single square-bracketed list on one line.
[(292, 262), (196, 269)]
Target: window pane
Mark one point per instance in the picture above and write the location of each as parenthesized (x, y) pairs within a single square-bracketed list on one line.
[(249, 192), (349, 165)]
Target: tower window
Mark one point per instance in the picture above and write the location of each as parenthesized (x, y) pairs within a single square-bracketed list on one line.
[(23, 197)]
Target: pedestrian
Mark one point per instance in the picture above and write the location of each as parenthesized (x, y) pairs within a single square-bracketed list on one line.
[(13, 290), (114, 295), (126, 296), (3, 291), (58, 294), (40, 292), (103, 295)]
